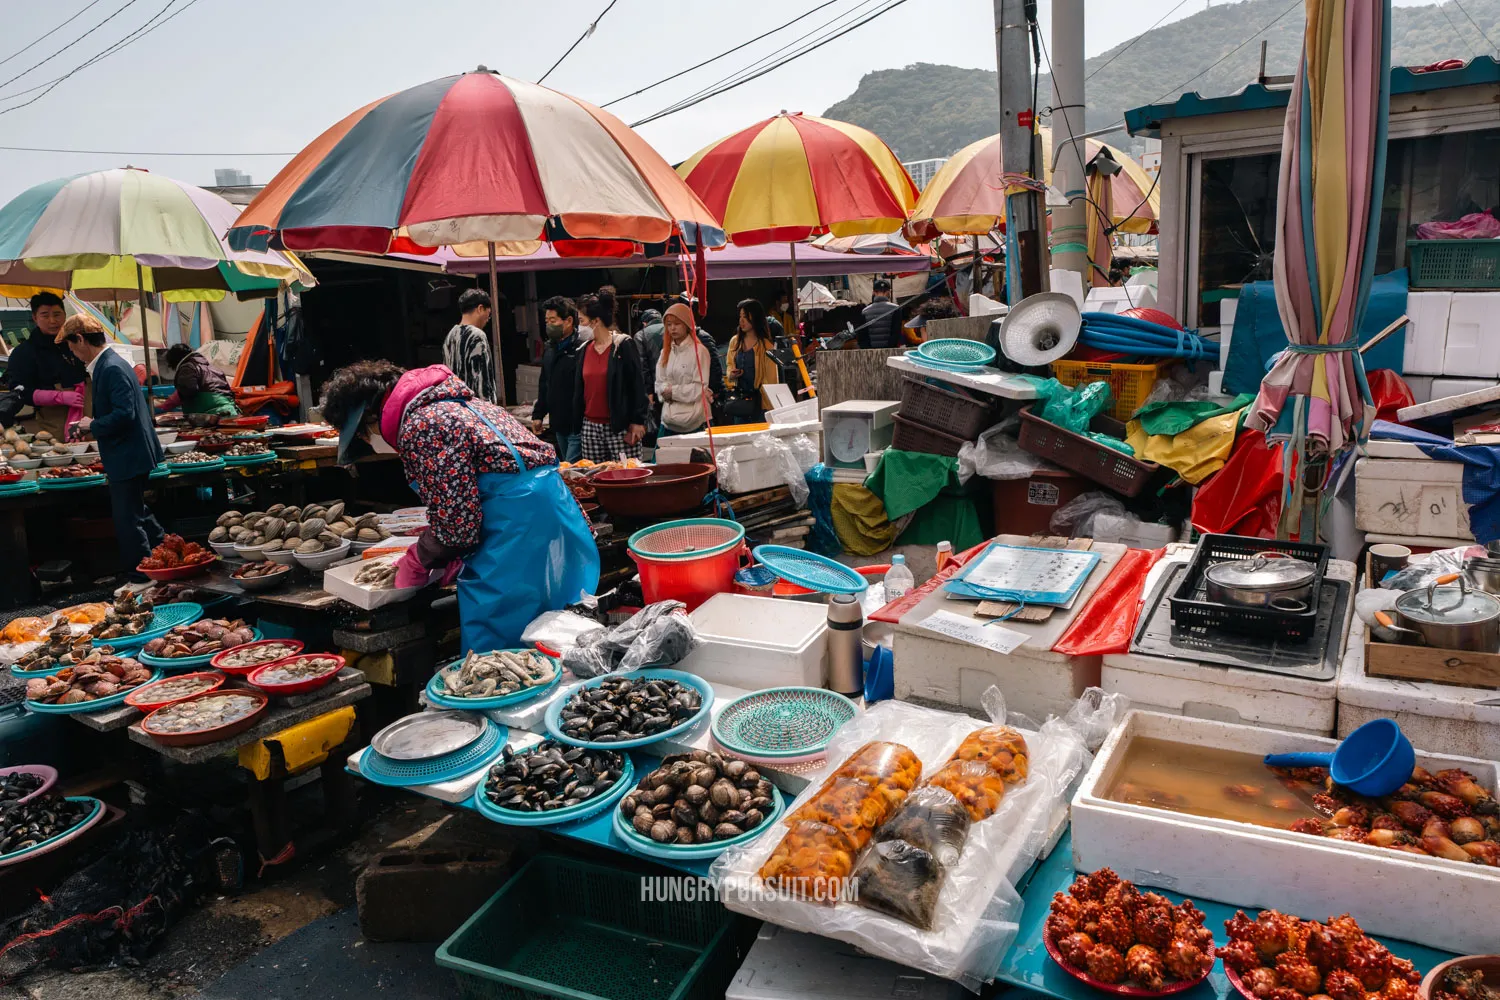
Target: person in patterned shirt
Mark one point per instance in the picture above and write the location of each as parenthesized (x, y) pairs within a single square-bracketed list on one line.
[(495, 500), (466, 349)]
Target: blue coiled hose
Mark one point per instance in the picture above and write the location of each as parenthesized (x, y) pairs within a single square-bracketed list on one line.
[(1128, 335)]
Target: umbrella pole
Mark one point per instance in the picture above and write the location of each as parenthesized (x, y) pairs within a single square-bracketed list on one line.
[(795, 322), (140, 298), (495, 326), (794, 335)]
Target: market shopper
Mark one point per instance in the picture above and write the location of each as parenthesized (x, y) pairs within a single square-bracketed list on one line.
[(882, 319), (609, 394), (682, 374), (45, 373), (554, 396), (466, 349), (128, 445), (201, 388), (751, 366), (500, 519)]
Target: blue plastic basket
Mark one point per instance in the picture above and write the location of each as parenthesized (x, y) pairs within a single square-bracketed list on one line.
[(782, 722), (437, 696), (383, 770), (553, 717), (163, 620), (62, 485), (83, 707), (695, 852), (178, 468), (810, 570), (20, 488), (584, 809), (175, 663), (28, 674), (957, 351), (258, 459), (160, 472)]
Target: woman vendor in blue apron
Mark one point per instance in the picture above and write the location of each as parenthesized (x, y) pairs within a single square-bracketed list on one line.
[(499, 515)]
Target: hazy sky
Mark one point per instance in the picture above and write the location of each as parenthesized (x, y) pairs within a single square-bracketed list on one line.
[(269, 75)]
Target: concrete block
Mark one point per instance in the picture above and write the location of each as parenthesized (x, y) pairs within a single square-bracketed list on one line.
[(425, 895)]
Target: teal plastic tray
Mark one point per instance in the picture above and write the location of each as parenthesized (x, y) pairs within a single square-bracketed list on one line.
[(650, 848), (178, 468), (782, 722), (403, 773), (22, 488), (93, 816), (85, 707), (437, 696), (957, 351), (240, 460), (553, 719), (585, 809), (62, 485), (175, 663), (166, 617)]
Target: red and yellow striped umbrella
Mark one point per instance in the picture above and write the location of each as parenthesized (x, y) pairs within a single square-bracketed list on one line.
[(793, 177)]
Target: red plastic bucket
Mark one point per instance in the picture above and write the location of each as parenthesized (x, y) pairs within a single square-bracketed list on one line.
[(689, 580), (785, 588)]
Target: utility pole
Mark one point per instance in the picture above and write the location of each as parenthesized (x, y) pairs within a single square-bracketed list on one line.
[(1025, 208), (1070, 234)]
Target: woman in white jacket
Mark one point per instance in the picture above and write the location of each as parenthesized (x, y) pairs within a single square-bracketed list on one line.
[(681, 374)]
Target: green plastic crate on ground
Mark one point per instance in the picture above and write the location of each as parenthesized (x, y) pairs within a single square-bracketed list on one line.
[(1453, 263), (571, 930)]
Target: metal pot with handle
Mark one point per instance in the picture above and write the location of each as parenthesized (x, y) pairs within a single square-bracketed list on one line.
[(1271, 580), (1446, 617)]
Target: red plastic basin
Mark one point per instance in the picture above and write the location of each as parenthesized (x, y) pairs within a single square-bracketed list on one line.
[(689, 580)]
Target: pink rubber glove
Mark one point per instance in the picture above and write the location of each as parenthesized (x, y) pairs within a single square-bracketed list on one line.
[(57, 397), (451, 573), (409, 571)]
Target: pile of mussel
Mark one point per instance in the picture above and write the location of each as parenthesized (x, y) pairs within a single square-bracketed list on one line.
[(551, 775), (27, 824), (628, 708)]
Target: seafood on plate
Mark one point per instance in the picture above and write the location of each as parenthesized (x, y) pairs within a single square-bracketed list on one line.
[(176, 688), (303, 668), (698, 798), (487, 675), (1106, 928), (171, 592), (175, 551), (60, 648), (1294, 959), (86, 614), (200, 638), (28, 824), (551, 775), (193, 457), (70, 471), (6, 469), (208, 712), (99, 676), (1460, 983), (310, 529), (242, 448), (628, 708), (130, 615), (260, 570), (377, 574), (258, 653), (18, 785)]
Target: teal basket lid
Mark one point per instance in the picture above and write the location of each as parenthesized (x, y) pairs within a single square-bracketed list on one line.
[(389, 771), (810, 570), (957, 351), (782, 722), (690, 538)]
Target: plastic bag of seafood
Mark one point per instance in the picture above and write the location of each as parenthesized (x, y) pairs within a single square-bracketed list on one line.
[(940, 884), (655, 636)]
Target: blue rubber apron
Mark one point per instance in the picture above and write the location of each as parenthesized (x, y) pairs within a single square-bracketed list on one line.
[(535, 554)]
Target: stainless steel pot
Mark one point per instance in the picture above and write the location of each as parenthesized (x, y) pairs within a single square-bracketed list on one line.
[(1485, 574), (1449, 617), (1272, 580)]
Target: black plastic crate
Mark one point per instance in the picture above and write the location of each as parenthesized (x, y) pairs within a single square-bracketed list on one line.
[(1191, 607)]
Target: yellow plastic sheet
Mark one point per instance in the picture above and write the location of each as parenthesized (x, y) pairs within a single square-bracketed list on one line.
[(860, 521), (1195, 454)]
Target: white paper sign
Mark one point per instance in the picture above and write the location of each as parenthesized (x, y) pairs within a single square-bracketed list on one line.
[(964, 629)]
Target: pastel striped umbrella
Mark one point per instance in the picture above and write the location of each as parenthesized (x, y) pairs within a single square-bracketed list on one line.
[(794, 177), (482, 163), (1333, 158), (965, 197)]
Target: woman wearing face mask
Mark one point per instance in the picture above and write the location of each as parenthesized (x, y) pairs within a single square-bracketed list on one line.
[(609, 399), (494, 498), (681, 374)]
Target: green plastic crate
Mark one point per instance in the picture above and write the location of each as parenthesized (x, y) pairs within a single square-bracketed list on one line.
[(1454, 263), (571, 930)]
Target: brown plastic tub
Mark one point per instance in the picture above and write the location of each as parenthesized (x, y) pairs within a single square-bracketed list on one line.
[(670, 489)]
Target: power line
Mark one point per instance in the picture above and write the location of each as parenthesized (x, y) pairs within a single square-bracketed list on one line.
[(117, 12), (1475, 24), (130, 152), (1248, 39), (682, 106), (1121, 52), (586, 33), (48, 34), (721, 55), (134, 36), (1456, 33)]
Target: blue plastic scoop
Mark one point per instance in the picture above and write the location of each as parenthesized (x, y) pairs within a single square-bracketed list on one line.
[(1374, 760)]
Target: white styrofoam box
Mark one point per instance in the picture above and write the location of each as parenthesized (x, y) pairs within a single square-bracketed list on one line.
[(1410, 497), (339, 581), (779, 394), (1067, 281), (788, 965), (1430, 901), (699, 439), (1107, 300), (807, 410), (1228, 309), (759, 642), (1473, 346), (1216, 383), (1427, 333), (1447, 388), (745, 468), (1137, 534), (1443, 718), (1420, 386)]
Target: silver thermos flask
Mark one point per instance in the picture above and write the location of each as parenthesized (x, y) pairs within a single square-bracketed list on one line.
[(846, 653)]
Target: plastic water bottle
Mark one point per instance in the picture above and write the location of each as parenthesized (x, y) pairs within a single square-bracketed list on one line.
[(898, 579)]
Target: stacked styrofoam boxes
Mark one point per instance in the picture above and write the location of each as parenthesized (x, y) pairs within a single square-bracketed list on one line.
[(1431, 901), (1452, 343), (1401, 493), (1443, 718)]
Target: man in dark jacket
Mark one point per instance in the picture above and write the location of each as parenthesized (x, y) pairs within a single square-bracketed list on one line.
[(882, 319), (554, 394), (47, 376), (128, 445)]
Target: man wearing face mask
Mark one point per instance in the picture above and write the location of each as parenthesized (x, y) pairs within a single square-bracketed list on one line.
[(554, 396), (500, 519)]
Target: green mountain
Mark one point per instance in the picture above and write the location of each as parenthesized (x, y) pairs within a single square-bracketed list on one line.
[(927, 110)]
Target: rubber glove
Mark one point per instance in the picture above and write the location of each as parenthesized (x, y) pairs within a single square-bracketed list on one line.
[(57, 397), (451, 573), (409, 570)]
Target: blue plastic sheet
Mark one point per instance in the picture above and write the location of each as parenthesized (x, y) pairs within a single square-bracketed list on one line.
[(822, 539), (1258, 333), (1481, 472)]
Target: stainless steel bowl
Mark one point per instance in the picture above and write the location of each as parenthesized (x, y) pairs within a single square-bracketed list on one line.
[(1484, 574)]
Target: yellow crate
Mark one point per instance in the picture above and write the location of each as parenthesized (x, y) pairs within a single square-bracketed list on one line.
[(1129, 385)]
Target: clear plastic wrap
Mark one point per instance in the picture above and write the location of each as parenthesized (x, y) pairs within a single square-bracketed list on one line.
[(1077, 518), (654, 636), (810, 862), (902, 880), (852, 807), (997, 455), (558, 630), (1421, 570), (1003, 748), (787, 456), (934, 820), (882, 762), (976, 785)]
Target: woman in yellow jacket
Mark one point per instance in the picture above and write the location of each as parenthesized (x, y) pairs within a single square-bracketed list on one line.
[(750, 366)]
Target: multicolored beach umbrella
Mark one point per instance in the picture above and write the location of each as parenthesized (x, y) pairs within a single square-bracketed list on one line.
[(473, 160), (793, 177)]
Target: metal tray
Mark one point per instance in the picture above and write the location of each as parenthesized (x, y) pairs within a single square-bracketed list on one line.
[(427, 735)]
